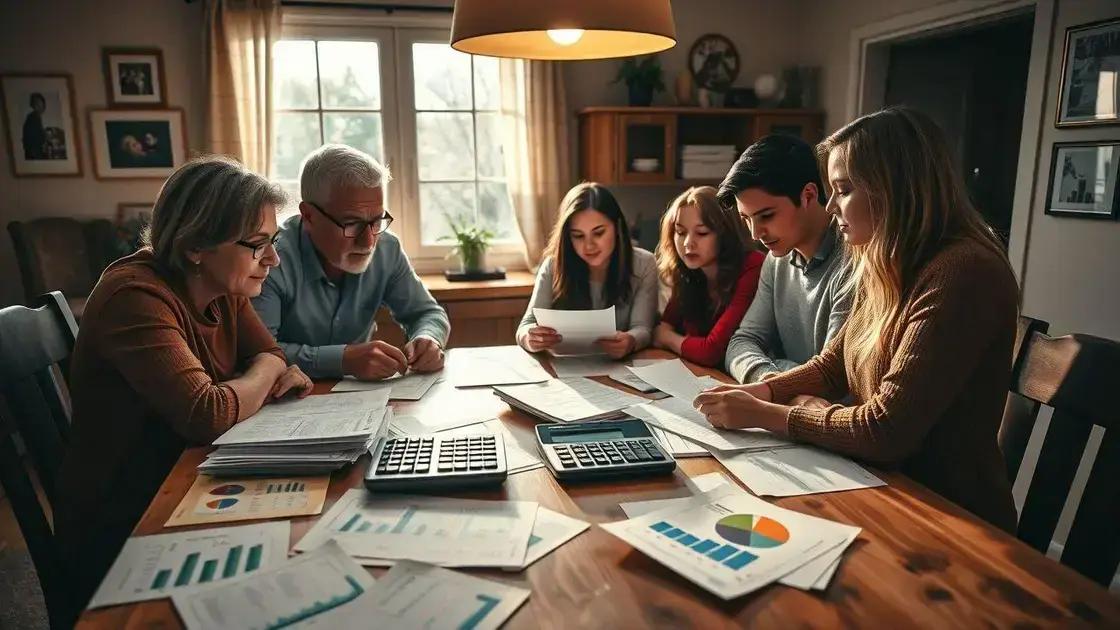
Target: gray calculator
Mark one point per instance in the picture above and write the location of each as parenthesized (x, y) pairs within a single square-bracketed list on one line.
[(431, 462), (586, 451)]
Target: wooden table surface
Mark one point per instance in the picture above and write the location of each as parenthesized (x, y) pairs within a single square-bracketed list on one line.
[(920, 560)]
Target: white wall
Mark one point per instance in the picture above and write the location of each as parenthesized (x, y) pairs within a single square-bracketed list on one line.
[(67, 36)]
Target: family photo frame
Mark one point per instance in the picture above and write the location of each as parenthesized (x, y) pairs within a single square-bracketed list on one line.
[(1089, 93), (1084, 179), (40, 125), (134, 77), (137, 144)]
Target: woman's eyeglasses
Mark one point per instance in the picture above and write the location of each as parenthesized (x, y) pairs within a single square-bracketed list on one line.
[(353, 229), (259, 248)]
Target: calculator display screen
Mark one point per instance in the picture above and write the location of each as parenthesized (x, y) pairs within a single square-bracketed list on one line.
[(561, 437)]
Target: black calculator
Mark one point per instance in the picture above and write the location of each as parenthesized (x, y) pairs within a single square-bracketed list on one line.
[(422, 463), (594, 450)]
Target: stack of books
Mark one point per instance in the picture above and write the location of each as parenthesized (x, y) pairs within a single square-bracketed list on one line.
[(706, 161), (312, 436)]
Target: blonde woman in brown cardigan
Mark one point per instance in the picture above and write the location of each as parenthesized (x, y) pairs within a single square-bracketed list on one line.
[(170, 354), (925, 357)]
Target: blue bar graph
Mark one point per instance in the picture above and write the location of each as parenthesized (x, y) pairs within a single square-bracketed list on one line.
[(730, 556), (488, 604), (208, 569), (401, 524), (352, 522), (673, 533), (162, 578), (741, 560), (187, 570), (723, 552), (661, 527), (364, 527), (687, 540), (254, 561), (704, 546), (232, 558)]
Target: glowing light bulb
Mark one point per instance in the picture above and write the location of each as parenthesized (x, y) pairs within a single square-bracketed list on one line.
[(565, 36)]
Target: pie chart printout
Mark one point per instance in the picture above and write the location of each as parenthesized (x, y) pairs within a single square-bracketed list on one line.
[(750, 530)]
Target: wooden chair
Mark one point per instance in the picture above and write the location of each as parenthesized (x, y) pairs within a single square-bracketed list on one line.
[(35, 345), (1077, 375), (1020, 411)]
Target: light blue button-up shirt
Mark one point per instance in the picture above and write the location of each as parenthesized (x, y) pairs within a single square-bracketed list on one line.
[(314, 319)]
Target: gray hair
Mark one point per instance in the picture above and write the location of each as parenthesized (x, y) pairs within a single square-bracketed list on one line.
[(210, 200), (337, 165)]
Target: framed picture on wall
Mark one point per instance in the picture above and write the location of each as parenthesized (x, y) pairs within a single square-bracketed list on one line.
[(134, 77), (1084, 180), (41, 128), (1090, 88), (137, 144)]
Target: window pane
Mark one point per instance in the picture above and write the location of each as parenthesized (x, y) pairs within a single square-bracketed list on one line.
[(350, 75), (294, 65), (297, 134), (445, 144), (437, 202), (489, 134), (495, 212), (486, 94), (442, 77), (361, 131)]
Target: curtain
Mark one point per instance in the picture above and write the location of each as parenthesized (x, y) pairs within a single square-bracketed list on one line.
[(534, 117), (239, 39)]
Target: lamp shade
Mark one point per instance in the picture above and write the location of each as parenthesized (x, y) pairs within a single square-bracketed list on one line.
[(562, 29)]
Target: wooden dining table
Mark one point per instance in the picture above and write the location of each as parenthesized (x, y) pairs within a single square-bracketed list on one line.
[(920, 560)]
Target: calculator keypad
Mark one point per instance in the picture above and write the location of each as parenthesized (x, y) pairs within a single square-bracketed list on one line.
[(446, 456), (608, 453)]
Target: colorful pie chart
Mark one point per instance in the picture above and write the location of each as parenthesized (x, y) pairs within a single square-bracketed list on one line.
[(221, 504), (228, 489), (752, 531)]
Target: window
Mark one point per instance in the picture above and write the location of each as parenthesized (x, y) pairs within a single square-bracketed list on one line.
[(403, 95)]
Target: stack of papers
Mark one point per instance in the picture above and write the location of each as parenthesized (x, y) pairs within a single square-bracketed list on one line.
[(579, 330), (379, 530), (797, 470), (568, 400), (731, 543), (411, 386), (567, 367), (311, 436), (706, 161), (680, 417), (496, 365), (327, 589)]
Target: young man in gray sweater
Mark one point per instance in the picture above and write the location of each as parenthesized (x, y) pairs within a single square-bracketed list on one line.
[(802, 298)]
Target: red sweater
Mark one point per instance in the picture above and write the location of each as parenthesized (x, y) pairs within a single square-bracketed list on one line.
[(707, 346)]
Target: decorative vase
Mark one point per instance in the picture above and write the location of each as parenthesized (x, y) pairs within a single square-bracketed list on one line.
[(682, 89), (472, 259), (641, 95)]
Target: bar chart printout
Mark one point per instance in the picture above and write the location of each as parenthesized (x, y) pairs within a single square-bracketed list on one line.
[(313, 587), (150, 567)]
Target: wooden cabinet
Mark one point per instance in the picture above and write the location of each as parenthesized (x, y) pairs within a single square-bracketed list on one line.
[(482, 313), (642, 145)]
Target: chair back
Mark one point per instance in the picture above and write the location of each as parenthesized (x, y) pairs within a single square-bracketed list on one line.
[(1078, 376), (62, 254), (35, 345), (1020, 412)]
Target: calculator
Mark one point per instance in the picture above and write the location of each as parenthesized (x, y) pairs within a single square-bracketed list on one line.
[(594, 450), (419, 463)]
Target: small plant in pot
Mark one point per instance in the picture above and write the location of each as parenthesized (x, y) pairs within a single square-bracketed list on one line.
[(643, 78), (471, 243)]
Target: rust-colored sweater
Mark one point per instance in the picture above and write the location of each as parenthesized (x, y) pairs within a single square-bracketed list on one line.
[(145, 383), (932, 405)]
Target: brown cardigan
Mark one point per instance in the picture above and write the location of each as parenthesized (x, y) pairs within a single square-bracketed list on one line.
[(144, 384), (932, 406)]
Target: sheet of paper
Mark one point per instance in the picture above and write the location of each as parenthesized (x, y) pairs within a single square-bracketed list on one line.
[(671, 377), (151, 567), (730, 543), (429, 423), (594, 365), (313, 590), (311, 419), (792, 471), (680, 417), (550, 531), (439, 530), (418, 595), (411, 386), (518, 459), (214, 500), (700, 485), (579, 329), (496, 365), (569, 399), (677, 445)]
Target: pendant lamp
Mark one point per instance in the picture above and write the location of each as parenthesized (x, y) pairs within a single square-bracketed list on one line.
[(562, 29)]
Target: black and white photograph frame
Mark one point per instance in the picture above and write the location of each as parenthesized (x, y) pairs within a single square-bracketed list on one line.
[(1090, 89), (137, 144), (1085, 180), (134, 77), (714, 62), (40, 125)]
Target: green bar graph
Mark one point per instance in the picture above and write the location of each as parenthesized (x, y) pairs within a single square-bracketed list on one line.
[(352, 522), (232, 559), (254, 561), (187, 570), (208, 569), (364, 527), (161, 579)]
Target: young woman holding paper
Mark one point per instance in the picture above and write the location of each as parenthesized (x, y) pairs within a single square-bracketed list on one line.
[(590, 263), (705, 256), (925, 355)]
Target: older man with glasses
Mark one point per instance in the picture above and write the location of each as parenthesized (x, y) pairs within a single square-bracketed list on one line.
[(338, 265)]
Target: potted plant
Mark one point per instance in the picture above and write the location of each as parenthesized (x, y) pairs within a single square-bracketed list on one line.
[(471, 243), (642, 77)]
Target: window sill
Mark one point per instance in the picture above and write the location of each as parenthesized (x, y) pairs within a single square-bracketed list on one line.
[(517, 284)]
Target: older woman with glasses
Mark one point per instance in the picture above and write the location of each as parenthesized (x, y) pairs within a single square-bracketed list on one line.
[(170, 353), (339, 265)]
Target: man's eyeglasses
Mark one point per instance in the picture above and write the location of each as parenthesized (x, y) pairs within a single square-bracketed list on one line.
[(352, 229), (259, 248)]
